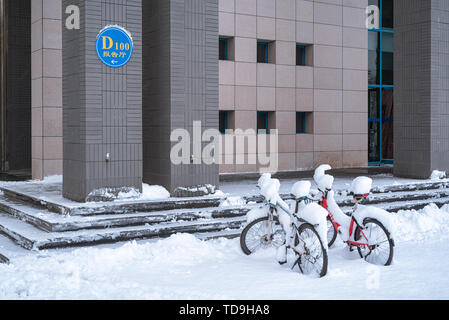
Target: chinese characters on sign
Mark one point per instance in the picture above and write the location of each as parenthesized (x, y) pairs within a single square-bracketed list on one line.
[(114, 46)]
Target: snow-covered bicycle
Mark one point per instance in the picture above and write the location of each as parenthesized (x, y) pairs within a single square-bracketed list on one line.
[(367, 228), (275, 225)]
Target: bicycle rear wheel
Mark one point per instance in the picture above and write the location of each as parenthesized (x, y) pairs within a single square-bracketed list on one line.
[(380, 242), (314, 261), (256, 235)]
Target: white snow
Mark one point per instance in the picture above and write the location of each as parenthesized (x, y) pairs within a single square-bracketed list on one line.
[(321, 171), (316, 215), (426, 224), (263, 179), (325, 182), (270, 190), (362, 185), (233, 201), (301, 189), (437, 175), (363, 212), (183, 267), (257, 213), (154, 193)]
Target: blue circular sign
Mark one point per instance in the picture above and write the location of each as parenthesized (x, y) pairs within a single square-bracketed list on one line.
[(114, 46)]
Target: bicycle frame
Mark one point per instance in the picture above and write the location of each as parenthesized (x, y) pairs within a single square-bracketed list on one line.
[(293, 218), (352, 226)]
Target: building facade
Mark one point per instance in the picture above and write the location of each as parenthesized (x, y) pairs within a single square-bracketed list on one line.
[(309, 69), (304, 66)]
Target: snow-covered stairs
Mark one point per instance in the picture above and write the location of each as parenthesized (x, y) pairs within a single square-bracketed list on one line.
[(34, 224), (35, 227)]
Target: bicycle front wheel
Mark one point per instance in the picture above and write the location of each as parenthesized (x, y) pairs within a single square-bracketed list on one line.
[(258, 235), (314, 260), (380, 249)]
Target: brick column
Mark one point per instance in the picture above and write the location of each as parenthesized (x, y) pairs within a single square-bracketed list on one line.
[(46, 75), (421, 88), (102, 105), (180, 87)]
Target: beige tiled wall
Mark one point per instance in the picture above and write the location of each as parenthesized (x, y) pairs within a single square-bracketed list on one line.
[(46, 74), (334, 88)]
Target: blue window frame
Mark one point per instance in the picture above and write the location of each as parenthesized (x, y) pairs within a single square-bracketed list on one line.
[(381, 86), (300, 55), (262, 52), (223, 121), (301, 123), (223, 49), (262, 122)]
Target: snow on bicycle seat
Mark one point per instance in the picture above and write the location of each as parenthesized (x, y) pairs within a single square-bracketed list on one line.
[(270, 190), (301, 189), (325, 182), (361, 187)]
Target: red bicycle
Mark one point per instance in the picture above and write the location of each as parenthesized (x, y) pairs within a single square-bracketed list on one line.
[(363, 229)]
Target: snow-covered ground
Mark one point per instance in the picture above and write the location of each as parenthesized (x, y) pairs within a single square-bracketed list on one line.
[(183, 267)]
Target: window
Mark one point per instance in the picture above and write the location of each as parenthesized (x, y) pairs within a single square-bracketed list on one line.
[(300, 122), (262, 122), (262, 52), (304, 122), (373, 58), (387, 14), (387, 58), (223, 121), (381, 86), (300, 55), (223, 49)]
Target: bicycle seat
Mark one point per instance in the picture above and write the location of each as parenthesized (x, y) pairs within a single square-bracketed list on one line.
[(359, 197), (301, 189), (325, 182), (270, 190), (361, 186)]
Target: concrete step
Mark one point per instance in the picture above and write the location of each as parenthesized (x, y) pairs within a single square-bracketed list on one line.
[(31, 238), (228, 233), (9, 249), (398, 196), (52, 222), (394, 207), (53, 201)]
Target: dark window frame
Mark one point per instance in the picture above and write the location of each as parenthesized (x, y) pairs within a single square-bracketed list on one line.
[(301, 118), (302, 60), (267, 128), (226, 48), (226, 121), (265, 44)]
